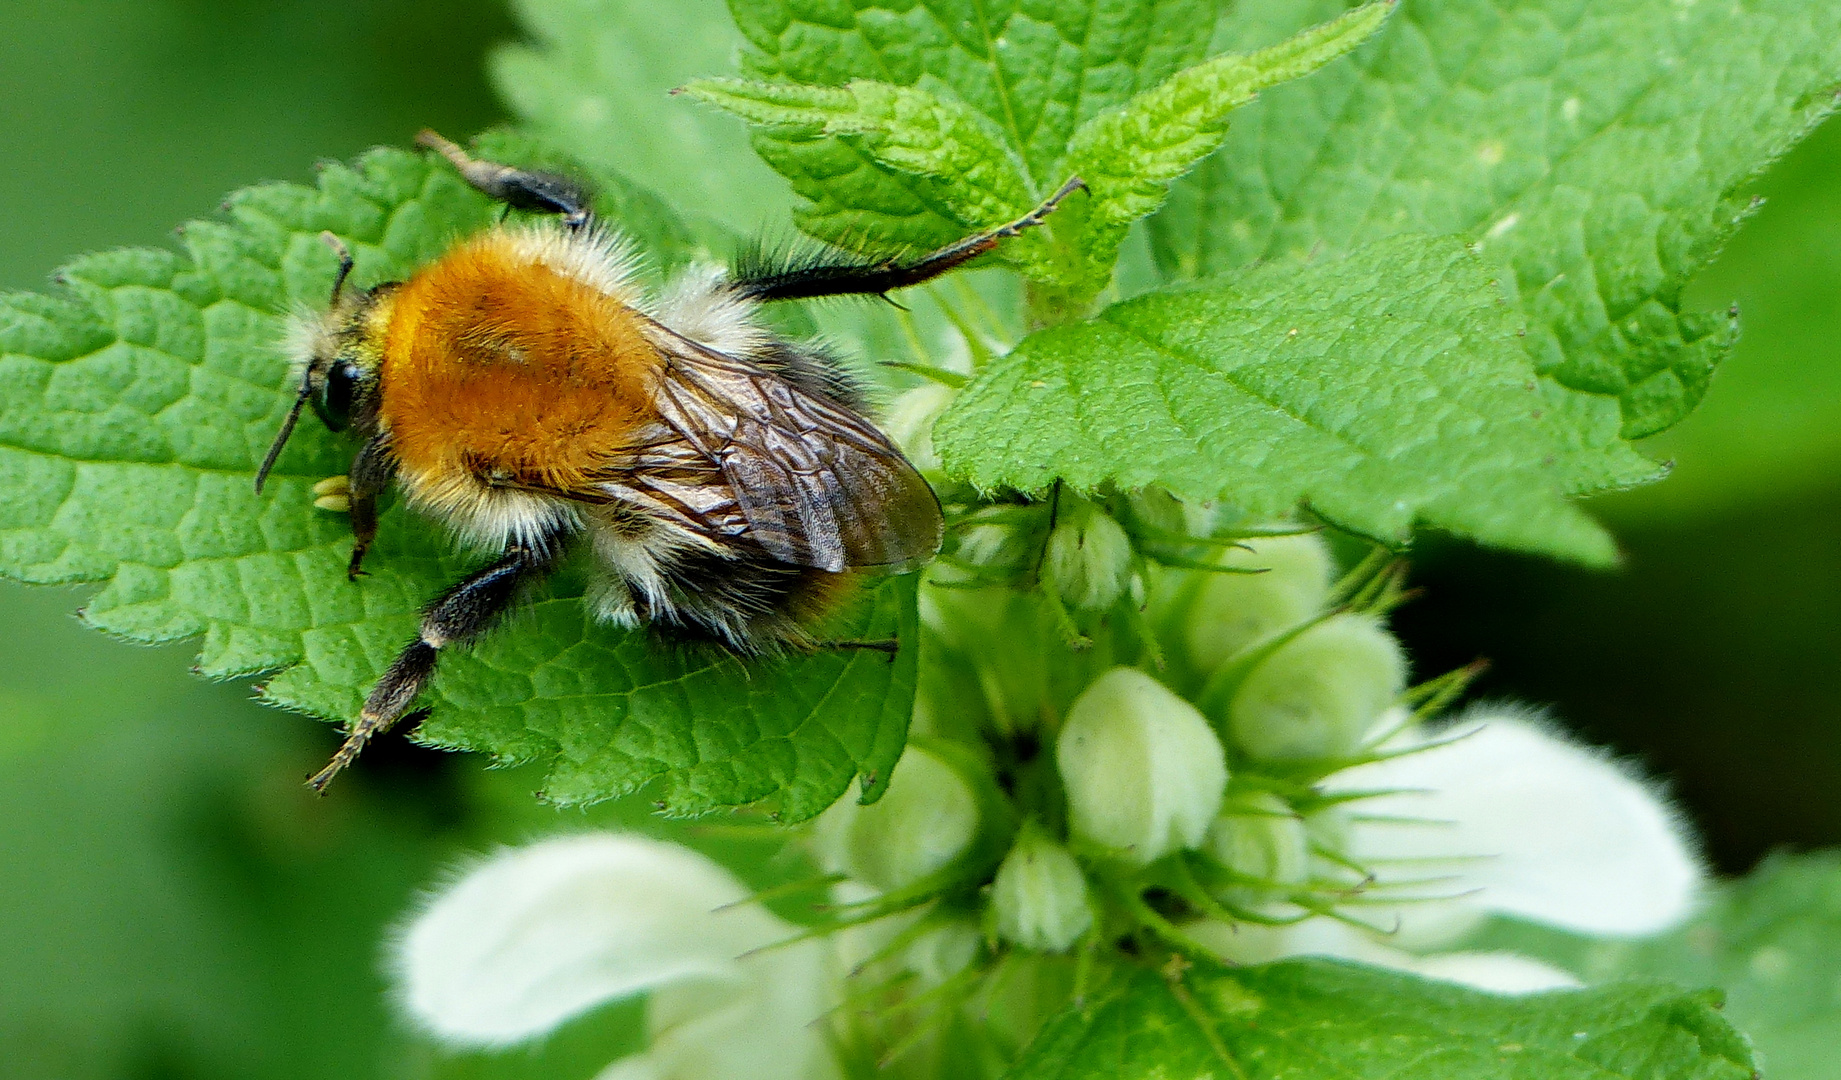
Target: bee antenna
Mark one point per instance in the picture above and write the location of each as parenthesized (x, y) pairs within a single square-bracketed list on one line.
[(287, 429), (345, 264)]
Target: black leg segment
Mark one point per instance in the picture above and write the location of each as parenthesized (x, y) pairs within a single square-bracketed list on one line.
[(370, 474), (543, 192), (457, 617), (846, 277)]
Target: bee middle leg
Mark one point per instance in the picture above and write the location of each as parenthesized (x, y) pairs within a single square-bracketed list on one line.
[(520, 189), (855, 276), (457, 617)]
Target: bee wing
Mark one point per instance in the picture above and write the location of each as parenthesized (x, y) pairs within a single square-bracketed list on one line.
[(817, 484)]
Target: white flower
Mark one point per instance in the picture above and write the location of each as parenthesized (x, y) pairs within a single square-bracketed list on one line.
[(1039, 896), (1499, 972), (1319, 694), (1505, 817), (1259, 835), (1144, 772), (1088, 557), (534, 936), (926, 819), (1225, 613)]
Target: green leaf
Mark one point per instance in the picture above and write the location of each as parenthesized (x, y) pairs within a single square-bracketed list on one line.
[(1130, 155), (930, 152), (977, 181), (1381, 388), (1037, 69), (1304, 1020), (1770, 941), (1595, 152), (594, 80), (136, 401), (1772, 432)]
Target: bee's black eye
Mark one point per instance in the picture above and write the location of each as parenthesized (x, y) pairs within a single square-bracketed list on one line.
[(334, 401)]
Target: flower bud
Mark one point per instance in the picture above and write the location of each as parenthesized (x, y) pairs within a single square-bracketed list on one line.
[(1229, 612), (1317, 695), (944, 951), (926, 819), (1040, 895), (1259, 835), (909, 422), (1144, 772), (1088, 557)]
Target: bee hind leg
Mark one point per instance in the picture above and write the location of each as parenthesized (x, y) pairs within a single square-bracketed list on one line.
[(457, 617), (844, 276), (519, 189)]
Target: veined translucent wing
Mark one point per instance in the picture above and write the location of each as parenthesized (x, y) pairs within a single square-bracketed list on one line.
[(816, 484)]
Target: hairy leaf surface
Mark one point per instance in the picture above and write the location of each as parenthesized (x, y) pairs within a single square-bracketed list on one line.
[(1037, 69), (1316, 1020), (1324, 382), (1595, 151), (1771, 941), (925, 147)]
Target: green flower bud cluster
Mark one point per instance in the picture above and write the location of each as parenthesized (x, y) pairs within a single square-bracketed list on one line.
[(1277, 667), (1159, 767)]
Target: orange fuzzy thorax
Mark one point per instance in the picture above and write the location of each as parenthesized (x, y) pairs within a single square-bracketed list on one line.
[(499, 368)]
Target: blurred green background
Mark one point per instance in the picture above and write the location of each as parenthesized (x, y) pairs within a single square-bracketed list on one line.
[(175, 905)]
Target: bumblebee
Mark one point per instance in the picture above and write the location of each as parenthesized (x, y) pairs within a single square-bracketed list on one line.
[(525, 391)]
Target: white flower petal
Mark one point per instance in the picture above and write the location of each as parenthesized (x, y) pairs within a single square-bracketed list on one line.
[(763, 1027), (1497, 972), (1500, 973), (1537, 826), (637, 1067), (535, 935)]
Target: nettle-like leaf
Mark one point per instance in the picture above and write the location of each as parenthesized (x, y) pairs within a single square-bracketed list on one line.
[(1305, 1020), (1067, 89), (1130, 155), (912, 130), (594, 77), (1771, 941), (137, 400), (1038, 69), (1323, 382), (1594, 151)]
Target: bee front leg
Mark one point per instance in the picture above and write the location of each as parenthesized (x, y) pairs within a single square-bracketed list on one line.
[(457, 617), (370, 475)]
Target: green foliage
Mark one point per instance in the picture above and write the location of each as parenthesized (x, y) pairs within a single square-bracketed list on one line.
[(1314, 381), (1590, 155), (138, 400), (595, 81), (913, 131), (1770, 941), (1311, 1019), (1773, 431), (1594, 151), (967, 155), (1130, 155), (1038, 69), (176, 904)]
